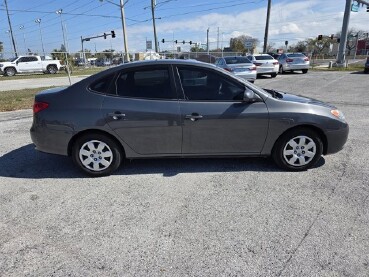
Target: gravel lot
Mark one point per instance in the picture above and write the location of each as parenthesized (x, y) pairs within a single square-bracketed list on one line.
[(191, 217)]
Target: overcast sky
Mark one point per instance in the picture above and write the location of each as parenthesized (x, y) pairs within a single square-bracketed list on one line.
[(176, 20)]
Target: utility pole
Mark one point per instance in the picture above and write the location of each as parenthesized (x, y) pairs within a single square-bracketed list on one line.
[(207, 40), (38, 21), (10, 28), (267, 27), (346, 19), (153, 5), (218, 40), (124, 29)]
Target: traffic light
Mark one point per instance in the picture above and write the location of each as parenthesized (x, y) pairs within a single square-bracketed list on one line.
[(176, 41), (338, 40), (183, 42), (320, 37), (112, 34), (286, 42), (190, 42), (332, 36), (367, 9), (104, 36), (162, 40)]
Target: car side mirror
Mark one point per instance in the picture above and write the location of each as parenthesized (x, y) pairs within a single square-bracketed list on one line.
[(250, 96)]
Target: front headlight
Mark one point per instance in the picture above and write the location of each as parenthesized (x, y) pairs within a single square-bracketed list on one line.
[(338, 114), (1, 65)]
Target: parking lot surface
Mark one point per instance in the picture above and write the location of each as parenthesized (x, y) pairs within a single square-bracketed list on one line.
[(191, 217)]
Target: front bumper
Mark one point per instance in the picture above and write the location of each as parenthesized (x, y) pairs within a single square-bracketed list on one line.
[(336, 139)]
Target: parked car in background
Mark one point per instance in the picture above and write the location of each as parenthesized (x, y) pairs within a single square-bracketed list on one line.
[(265, 64), (274, 55), (240, 66), (101, 62), (366, 67), (29, 64), (293, 61), (181, 108)]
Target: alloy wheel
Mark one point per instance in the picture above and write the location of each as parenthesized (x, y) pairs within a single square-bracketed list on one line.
[(299, 151)]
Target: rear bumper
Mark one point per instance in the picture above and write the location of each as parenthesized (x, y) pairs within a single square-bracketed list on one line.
[(51, 139), (250, 76), (267, 70), (296, 66)]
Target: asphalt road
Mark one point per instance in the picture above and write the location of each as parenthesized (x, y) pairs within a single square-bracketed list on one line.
[(191, 217)]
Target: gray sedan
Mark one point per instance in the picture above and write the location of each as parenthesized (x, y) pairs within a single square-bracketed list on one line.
[(240, 66), (176, 108), (292, 62)]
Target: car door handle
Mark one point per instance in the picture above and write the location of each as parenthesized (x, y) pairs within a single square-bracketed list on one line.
[(116, 115), (194, 116)]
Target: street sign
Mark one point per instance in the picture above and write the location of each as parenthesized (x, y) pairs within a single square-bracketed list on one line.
[(249, 43), (148, 44)]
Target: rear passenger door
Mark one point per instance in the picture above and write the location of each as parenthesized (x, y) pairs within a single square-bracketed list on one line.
[(143, 110)]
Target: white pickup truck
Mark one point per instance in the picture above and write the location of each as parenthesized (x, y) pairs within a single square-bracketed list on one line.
[(29, 64)]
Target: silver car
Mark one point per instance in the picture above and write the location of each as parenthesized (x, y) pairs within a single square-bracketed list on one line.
[(240, 66), (265, 64), (179, 108), (293, 61)]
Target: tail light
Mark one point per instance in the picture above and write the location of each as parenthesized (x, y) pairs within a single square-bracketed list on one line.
[(228, 69), (289, 60), (275, 63), (306, 59), (253, 68), (39, 106), (257, 64)]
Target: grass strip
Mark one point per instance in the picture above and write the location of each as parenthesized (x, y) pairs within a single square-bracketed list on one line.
[(18, 99)]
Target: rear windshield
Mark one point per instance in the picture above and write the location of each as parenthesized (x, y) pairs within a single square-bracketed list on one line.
[(264, 57), (235, 60), (297, 55)]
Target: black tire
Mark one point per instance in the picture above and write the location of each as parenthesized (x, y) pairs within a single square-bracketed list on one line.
[(366, 70), (281, 71), (10, 71), (52, 69), (102, 159), (304, 71), (308, 149), (273, 75)]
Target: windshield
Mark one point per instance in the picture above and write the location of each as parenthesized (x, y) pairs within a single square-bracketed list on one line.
[(297, 55), (12, 59), (264, 57), (236, 60)]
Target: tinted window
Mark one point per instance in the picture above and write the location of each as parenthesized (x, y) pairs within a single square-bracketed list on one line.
[(264, 57), (23, 60), (153, 83), (236, 60), (102, 85), (200, 84), (297, 55), (32, 59)]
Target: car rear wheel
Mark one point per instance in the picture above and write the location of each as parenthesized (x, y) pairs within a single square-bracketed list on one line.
[(273, 75), (10, 71), (304, 71), (96, 154), (366, 70), (298, 149)]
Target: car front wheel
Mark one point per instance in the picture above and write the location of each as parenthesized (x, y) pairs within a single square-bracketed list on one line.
[(10, 71), (96, 154), (298, 149)]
